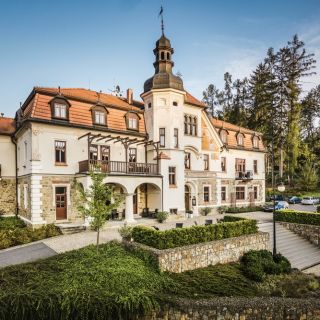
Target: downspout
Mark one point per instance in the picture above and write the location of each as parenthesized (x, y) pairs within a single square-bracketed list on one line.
[(14, 141)]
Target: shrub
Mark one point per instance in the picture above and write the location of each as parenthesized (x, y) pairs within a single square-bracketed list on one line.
[(10, 223), (222, 209), (162, 216), (178, 237), (257, 264), (318, 208), (206, 210), (126, 232), (242, 209), (301, 217)]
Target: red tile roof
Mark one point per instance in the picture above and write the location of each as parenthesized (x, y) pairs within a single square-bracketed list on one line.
[(192, 100), (7, 126)]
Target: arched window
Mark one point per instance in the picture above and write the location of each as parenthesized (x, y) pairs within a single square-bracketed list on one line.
[(223, 136), (99, 115), (255, 142), (132, 119), (240, 139), (162, 55), (168, 56), (190, 125)]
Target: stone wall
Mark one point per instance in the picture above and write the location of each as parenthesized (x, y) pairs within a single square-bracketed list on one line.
[(238, 308), (24, 201), (306, 231), (202, 255), (8, 196)]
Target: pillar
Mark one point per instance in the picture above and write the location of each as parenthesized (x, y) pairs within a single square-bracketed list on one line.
[(129, 208)]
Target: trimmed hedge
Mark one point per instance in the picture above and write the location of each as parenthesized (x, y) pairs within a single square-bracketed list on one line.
[(243, 209), (17, 236), (196, 234), (301, 217)]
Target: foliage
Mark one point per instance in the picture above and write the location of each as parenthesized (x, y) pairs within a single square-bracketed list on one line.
[(318, 208), (10, 223), (126, 232), (308, 178), (98, 202), (82, 284), (206, 210), (302, 217), (242, 209), (219, 280), (15, 236), (222, 209), (178, 237), (162, 216), (257, 264)]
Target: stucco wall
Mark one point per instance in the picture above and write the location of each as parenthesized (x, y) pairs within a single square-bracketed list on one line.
[(202, 255)]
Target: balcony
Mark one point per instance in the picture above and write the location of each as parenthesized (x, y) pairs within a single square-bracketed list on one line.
[(244, 175), (119, 167)]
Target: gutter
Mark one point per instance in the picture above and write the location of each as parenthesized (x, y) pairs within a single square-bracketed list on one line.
[(14, 141)]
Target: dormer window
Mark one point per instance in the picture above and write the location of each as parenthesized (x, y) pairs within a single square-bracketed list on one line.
[(99, 115), (255, 142), (223, 136), (60, 108), (240, 139), (132, 121)]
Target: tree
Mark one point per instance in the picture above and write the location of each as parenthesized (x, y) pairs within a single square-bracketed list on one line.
[(308, 179), (98, 202), (211, 97)]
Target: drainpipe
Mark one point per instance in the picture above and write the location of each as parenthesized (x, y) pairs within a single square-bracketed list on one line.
[(14, 141)]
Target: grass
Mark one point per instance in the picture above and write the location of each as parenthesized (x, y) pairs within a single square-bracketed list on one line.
[(117, 284)]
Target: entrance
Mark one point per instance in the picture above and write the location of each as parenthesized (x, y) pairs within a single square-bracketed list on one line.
[(61, 203), (187, 198)]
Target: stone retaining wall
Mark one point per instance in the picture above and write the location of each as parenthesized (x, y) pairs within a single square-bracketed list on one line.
[(238, 308), (202, 255), (7, 196), (306, 231)]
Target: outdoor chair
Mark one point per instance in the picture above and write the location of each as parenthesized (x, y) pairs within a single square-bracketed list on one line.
[(207, 222), (179, 225)]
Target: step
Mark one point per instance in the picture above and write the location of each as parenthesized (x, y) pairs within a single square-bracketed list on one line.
[(70, 228)]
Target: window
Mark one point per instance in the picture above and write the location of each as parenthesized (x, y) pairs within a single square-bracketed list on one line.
[(60, 151), (187, 160), (132, 121), (172, 176), (25, 151), (206, 162), (255, 166), (168, 55), (162, 55), (93, 152), (223, 193), (25, 196), (256, 142), (175, 103), (223, 164), (240, 139), (99, 117), (223, 136), (240, 193), (105, 153), (162, 137), (240, 165), (60, 111), (176, 138), (132, 155), (190, 125), (149, 105), (206, 193), (255, 192), (173, 211), (19, 195)]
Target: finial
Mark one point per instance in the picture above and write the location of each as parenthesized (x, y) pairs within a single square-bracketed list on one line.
[(161, 14), (59, 90)]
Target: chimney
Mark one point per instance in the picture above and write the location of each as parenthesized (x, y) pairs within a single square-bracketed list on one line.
[(129, 96)]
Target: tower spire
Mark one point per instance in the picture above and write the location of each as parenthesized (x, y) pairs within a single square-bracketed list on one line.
[(161, 14)]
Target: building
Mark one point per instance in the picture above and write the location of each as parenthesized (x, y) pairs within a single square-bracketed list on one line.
[(163, 153)]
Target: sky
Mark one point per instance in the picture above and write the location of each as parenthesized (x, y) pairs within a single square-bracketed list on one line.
[(100, 44)]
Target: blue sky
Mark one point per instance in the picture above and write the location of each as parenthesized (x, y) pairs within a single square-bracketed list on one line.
[(99, 44)]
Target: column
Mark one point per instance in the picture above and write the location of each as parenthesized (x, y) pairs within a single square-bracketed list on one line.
[(129, 208)]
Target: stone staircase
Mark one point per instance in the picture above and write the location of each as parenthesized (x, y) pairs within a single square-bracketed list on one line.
[(69, 228), (301, 253)]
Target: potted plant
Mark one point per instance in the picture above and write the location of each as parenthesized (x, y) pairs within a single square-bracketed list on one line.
[(126, 232), (206, 210), (189, 213), (162, 216)]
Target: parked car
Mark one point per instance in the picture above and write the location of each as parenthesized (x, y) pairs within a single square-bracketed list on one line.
[(309, 200), (276, 198), (278, 206), (294, 200)]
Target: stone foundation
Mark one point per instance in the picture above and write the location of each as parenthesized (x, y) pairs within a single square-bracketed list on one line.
[(306, 231), (238, 308), (8, 196), (202, 255)]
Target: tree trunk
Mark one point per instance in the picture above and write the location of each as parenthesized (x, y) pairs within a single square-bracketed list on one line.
[(98, 237)]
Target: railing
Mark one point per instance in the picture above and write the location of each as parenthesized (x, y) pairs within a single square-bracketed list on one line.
[(118, 167), (244, 175)]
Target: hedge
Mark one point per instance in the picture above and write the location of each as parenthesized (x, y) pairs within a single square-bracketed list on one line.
[(301, 217), (196, 234), (243, 209)]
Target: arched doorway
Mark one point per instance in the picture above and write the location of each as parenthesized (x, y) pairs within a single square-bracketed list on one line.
[(187, 197), (147, 197), (119, 189)]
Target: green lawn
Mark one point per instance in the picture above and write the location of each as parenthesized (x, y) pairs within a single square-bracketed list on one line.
[(114, 283)]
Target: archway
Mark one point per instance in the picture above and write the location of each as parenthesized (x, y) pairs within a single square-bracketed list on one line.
[(118, 189), (147, 198)]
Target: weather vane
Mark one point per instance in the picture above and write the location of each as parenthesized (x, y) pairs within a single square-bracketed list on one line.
[(161, 14)]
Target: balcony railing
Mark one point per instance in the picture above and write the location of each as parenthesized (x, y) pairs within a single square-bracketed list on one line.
[(244, 175), (118, 167)]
